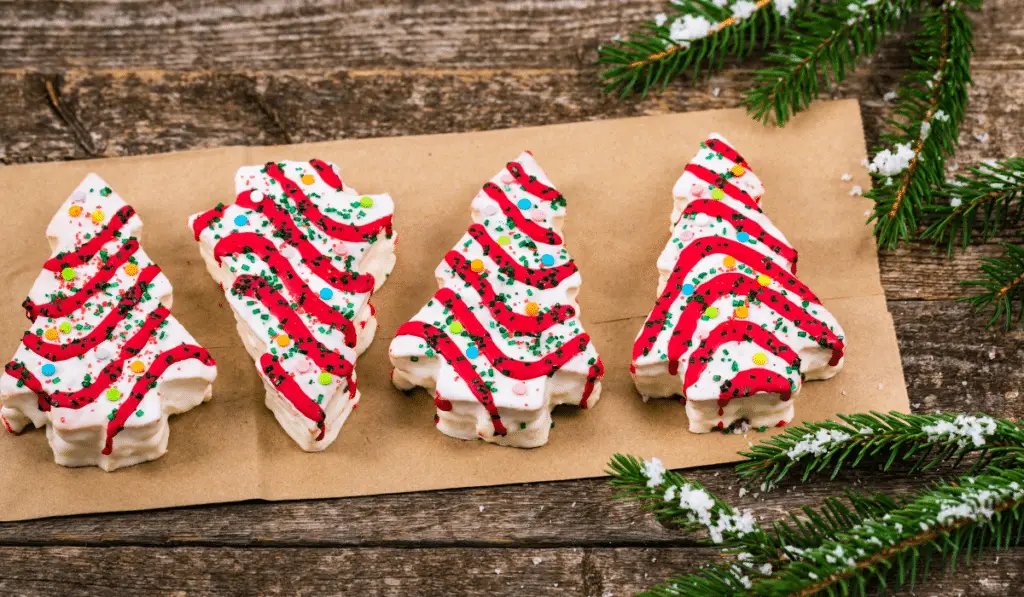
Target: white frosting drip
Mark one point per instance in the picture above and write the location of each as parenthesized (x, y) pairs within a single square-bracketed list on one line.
[(77, 436), (524, 405)]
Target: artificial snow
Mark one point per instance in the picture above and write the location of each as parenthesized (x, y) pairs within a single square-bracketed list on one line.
[(889, 96), (955, 202), (816, 443), (847, 177), (940, 116), (743, 9), (965, 429), (784, 6), (660, 18), (689, 28), (981, 137), (888, 162), (856, 190), (654, 470)]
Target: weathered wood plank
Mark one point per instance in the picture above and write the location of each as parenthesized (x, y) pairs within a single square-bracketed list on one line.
[(942, 350), (381, 572), (276, 34)]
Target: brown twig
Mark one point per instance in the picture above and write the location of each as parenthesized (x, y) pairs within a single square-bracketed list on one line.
[(81, 135)]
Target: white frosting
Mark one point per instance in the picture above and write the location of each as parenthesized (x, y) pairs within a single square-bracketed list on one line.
[(652, 369), (259, 328), (524, 405), (78, 435)]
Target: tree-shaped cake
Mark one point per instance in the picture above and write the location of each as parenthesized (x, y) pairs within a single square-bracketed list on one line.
[(298, 255), (104, 363), (733, 331), (501, 343)]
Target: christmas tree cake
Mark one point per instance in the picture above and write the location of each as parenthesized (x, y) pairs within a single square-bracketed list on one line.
[(104, 363), (501, 343), (298, 255), (733, 331)]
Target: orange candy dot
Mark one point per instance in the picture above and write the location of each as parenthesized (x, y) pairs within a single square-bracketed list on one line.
[(282, 340), (477, 265), (138, 367), (97, 216), (75, 210), (729, 261), (307, 179), (532, 309), (131, 269), (52, 334), (741, 312), (738, 170)]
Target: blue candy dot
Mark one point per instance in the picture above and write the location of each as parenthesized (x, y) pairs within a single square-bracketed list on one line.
[(241, 220), (524, 204), (687, 289), (49, 369), (472, 352), (743, 237), (548, 260), (326, 293)]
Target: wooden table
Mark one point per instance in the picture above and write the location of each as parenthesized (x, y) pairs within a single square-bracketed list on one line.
[(112, 78)]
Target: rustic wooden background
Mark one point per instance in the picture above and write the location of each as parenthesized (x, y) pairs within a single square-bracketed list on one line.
[(112, 78)]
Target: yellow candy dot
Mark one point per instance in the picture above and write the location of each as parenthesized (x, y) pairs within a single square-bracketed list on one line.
[(738, 170), (532, 308), (729, 261), (764, 280), (75, 210), (282, 340), (760, 358), (131, 269), (51, 334), (65, 327), (97, 216), (477, 265), (717, 194), (456, 327), (138, 367), (711, 312), (307, 179), (741, 312)]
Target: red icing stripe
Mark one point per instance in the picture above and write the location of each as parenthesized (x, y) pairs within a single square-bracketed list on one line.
[(596, 372), (81, 255), (333, 228), (290, 389), (250, 242), (325, 358), (532, 185), (327, 174), (751, 381), (506, 365), (320, 264), (541, 278), (105, 378), (147, 382), (205, 219), (735, 331), (102, 331), (719, 146), (514, 322), (529, 227), (446, 347), (741, 223), (721, 182), (64, 305)]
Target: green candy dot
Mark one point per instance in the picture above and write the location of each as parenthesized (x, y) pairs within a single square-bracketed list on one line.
[(717, 194), (712, 312), (324, 379), (68, 273), (65, 327), (504, 240), (366, 202), (113, 394), (455, 327)]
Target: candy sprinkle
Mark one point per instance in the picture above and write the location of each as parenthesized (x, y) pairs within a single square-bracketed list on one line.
[(760, 358), (308, 179), (477, 265), (97, 216), (324, 379), (504, 240), (764, 280), (49, 369), (366, 201), (65, 327), (519, 388), (711, 312), (131, 269), (326, 293), (51, 334), (472, 352), (743, 237), (68, 273), (282, 340), (456, 327), (113, 394), (241, 220), (741, 312), (256, 196), (138, 367), (729, 261), (547, 260), (688, 289), (75, 210), (717, 194), (738, 170), (524, 204), (532, 309)]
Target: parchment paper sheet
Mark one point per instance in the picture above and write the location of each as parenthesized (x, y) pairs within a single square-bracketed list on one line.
[(617, 176)]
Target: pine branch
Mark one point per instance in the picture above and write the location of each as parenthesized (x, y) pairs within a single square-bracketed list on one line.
[(931, 103), (1001, 288), (821, 46), (989, 197), (692, 35), (876, 439)]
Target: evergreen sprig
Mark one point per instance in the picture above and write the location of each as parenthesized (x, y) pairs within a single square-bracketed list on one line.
[(988, 199), (858, 543), (931, 102), (820, 47), (881, 440), (1001, 287), (660, 51)]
